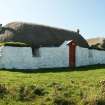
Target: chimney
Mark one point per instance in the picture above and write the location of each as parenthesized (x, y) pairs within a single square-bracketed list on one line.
[(78, 31)]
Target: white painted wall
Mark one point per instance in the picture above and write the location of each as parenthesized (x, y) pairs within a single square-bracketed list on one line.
[(82, 57), (85, 56), (21, 57), (52, 57)]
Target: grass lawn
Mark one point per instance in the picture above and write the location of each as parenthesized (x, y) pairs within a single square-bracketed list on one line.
[(81, 86)]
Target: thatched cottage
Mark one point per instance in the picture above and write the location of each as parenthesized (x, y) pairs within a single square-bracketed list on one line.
[(49, 48)]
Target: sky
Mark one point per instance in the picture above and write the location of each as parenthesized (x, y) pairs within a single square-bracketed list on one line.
[(86, 15)]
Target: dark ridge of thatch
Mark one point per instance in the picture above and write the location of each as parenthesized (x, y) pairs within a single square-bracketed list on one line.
[(39, 35), (97, 43)]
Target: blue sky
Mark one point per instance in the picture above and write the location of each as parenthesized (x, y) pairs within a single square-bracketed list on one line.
[(87, 15)]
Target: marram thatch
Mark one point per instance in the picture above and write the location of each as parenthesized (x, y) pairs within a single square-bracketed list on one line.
[(38, 35)]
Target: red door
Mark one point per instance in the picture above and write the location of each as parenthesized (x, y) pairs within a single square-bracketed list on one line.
[(72, 49)]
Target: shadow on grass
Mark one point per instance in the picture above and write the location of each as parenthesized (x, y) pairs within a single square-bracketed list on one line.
[(54, 70)]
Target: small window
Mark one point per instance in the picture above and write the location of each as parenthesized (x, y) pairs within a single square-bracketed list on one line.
[(35, 52)]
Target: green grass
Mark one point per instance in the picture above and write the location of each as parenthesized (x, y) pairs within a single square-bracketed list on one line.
[(14, 44), (67, 85)]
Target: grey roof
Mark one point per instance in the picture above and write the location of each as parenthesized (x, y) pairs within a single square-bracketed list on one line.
[(39, 35)]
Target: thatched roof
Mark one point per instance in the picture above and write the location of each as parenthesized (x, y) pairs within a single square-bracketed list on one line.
[(98, 43), (39, 35)]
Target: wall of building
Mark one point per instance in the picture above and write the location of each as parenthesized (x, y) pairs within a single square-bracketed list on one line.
[(85, 56), (52, 57), (22, 58)]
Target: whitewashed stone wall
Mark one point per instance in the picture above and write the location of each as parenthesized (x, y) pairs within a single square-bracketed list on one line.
[(52, 57), (85, 56), (82, 57), (22, 58)]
